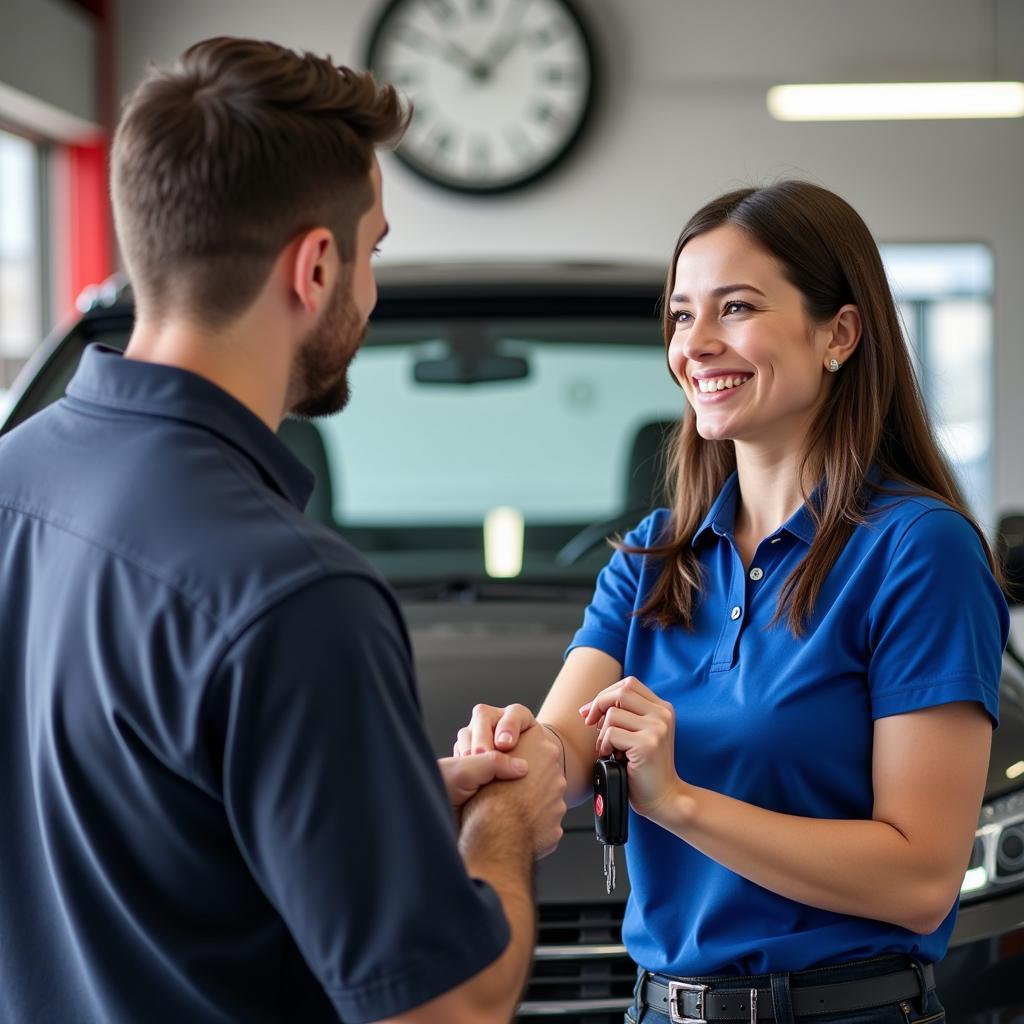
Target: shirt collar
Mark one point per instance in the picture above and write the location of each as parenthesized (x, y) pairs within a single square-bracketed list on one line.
[(721, 518), (104, 377), (801, 524)]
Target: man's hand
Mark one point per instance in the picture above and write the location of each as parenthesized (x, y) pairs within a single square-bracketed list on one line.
[(464, 776), (535, 803)]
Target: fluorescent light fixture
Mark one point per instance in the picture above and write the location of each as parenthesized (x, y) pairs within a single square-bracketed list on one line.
[(896, 100), (974, 879), (1016, 770), (503, 542)]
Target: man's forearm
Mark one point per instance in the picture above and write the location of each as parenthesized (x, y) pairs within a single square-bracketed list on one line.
[(503, 857)]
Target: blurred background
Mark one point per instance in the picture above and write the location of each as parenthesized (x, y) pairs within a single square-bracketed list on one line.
[(673, 110), (512, 396)]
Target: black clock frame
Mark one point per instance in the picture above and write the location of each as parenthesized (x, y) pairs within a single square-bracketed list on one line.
[(542, 170)]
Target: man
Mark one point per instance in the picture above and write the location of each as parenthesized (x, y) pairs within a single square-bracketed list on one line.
[(217, 800)]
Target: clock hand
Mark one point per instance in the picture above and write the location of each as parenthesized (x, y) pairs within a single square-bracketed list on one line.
[(501, 49), (457, 55), (450, 52), (508, 40)]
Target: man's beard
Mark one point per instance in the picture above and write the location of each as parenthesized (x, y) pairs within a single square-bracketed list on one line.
[(319, 378)]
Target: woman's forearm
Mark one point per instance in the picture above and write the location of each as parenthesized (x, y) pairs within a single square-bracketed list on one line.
[(865, 868), (578, 762)]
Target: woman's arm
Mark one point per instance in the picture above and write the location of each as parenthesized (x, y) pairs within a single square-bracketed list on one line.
[(904, 866), (586, 672)]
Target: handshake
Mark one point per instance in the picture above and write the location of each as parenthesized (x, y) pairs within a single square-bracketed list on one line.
[(518, 792)]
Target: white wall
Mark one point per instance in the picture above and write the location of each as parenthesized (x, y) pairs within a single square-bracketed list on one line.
[(48, 80), (683, 118)]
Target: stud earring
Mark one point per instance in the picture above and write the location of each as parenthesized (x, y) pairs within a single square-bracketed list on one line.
[(833, 365)]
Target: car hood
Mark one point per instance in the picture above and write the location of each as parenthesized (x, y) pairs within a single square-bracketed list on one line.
[(506, 652)]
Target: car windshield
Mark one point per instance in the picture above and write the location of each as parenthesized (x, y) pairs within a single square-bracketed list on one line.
[(504, 447), (529, 429)]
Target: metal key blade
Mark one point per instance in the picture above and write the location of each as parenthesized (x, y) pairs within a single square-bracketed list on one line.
[(609, 879)]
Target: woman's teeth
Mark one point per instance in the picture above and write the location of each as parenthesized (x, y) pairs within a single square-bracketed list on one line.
[(720, 383)]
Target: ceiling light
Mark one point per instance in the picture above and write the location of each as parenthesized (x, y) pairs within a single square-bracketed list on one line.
[(896, 100), (503, 542)]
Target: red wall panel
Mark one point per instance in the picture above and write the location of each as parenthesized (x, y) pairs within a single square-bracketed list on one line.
[(88, 243)]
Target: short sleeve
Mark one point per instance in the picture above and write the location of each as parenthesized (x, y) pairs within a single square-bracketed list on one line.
[(339, 808), (939, 623), (607, 619)]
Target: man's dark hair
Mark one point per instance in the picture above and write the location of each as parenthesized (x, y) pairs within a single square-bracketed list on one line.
[(223, 158)]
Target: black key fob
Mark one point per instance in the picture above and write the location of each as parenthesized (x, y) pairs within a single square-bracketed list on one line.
[(611, 801)]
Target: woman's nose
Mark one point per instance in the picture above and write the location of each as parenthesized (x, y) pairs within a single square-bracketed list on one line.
[(702, 339), (693, 345)]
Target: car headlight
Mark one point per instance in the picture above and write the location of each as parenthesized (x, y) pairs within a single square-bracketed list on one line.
[(997, 859)]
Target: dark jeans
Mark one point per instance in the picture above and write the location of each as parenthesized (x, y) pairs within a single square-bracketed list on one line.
[(909, 1011)]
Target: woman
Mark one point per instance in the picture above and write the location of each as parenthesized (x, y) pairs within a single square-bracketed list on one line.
[(799, 661)]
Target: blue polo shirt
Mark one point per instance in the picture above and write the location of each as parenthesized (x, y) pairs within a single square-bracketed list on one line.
[(217, 799), (909, 617)]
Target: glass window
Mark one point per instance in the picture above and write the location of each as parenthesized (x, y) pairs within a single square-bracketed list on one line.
[(554, 442), (945, 297), (20, 256), (547, 439)]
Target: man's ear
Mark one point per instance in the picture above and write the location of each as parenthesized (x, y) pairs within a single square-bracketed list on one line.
[(314, 269), (846, 332)]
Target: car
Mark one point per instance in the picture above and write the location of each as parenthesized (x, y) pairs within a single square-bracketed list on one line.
[(505, 420)]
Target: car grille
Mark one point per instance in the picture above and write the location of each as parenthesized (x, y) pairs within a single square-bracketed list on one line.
[(581, 972)]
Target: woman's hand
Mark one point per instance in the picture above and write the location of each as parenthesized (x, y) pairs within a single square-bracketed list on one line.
[(633, 720), (493, 728)]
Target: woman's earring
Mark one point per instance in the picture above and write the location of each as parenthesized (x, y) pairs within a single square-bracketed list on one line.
[(833, 365)]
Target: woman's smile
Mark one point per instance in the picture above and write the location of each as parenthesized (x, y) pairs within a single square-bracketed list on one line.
[(719, 386)]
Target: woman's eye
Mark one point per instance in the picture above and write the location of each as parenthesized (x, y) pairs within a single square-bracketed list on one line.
[(735, 307), (681, 316)]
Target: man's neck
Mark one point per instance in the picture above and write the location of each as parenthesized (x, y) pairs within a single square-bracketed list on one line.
[(244, 361)]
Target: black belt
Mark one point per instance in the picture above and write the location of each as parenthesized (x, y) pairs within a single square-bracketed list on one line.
[(693, 1003)]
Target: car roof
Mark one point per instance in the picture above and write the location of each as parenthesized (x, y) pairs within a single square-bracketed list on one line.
[(477, 290), (518, 273), (420, 278)]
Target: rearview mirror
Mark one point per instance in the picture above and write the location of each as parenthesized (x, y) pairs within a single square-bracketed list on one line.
[(470, 368)]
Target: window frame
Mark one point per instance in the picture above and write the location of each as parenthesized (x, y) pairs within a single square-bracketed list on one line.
[(43, 223)]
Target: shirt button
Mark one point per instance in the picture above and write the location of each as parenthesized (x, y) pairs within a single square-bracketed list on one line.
[(735, 613), (756, 574)]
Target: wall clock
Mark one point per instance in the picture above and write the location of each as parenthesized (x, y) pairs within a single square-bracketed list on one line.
[(501, 88)]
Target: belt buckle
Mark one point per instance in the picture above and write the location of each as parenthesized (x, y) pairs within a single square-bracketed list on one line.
[(675, 989)]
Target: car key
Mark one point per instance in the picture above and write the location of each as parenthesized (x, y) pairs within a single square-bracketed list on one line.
[(611, 811)]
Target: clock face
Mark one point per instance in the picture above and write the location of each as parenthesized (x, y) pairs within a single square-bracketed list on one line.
[(500, 88)]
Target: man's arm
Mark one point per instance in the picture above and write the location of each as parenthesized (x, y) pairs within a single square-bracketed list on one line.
[(506, 826), (339, 809)]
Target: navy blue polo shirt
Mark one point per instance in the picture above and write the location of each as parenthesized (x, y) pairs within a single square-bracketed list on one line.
[(909, 617), (217, 799)]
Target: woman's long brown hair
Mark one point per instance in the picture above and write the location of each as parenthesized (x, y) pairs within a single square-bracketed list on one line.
[(873, 416)]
